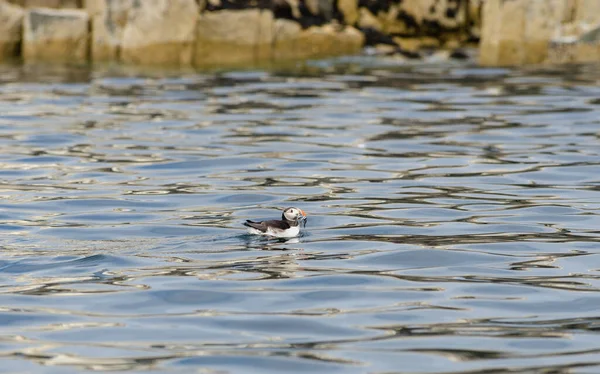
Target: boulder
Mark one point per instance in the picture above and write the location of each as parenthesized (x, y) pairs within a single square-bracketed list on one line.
[(543, 19), (11, 26), (234, 36), (519, 31), (109, 18), (160, 32), (59, 35)]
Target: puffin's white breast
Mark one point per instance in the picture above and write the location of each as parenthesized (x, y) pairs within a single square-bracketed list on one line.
[(289, 233)]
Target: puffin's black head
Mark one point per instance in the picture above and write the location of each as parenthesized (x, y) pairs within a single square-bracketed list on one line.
[(293, 214)]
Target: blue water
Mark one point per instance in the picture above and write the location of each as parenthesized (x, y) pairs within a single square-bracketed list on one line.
[(454, 217)]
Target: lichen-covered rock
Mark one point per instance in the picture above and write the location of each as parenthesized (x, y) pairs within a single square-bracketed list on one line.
[(11, 25), (412, 25), (417, 17), (160, 32), (436, 14), (59, 35), (234, 36), (109, 18)]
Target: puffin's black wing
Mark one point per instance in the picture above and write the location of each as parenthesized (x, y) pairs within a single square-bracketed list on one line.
[(263, 226)]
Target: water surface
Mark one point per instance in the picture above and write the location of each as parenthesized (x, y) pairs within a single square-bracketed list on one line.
[(454, 217)]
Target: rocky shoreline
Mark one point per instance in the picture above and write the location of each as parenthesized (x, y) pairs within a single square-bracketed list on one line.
[(201, 33)]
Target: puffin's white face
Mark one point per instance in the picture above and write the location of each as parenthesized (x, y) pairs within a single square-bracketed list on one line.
[(294, 214)]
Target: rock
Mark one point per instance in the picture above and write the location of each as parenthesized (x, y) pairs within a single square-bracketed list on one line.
[(109, 18), (292, 42), (571, 31), (415, 43), (530, 32), (592, 36), (160, 32), (493, 13), (384, 50), (367, 20), (502, 32), (11, 25), (573, 52), (420, 17), (313, 6), (73, 4), (443, 14), (543, 19), (291, 6), (474, 18), (450, 44), (285, 37), (577, 42), (322, 8), (349, 9), (519, 31), (59, 35), (395, 52), (234, 36), (587, 11), (374, 37), (460, 54), (306, 12)]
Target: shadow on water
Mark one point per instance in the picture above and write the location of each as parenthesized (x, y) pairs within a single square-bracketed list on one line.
[(454, 218)]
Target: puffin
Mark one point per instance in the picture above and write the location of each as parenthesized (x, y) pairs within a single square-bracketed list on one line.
[(287, 227)]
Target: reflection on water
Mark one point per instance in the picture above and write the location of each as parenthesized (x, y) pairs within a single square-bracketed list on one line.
[(454, 216)]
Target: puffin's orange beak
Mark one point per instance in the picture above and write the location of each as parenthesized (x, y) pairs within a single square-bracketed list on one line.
[(302, 212)]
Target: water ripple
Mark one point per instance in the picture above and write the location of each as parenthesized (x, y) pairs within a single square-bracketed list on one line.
[(453, 228)]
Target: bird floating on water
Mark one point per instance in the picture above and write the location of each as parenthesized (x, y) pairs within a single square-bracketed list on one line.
[(287, 227)]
